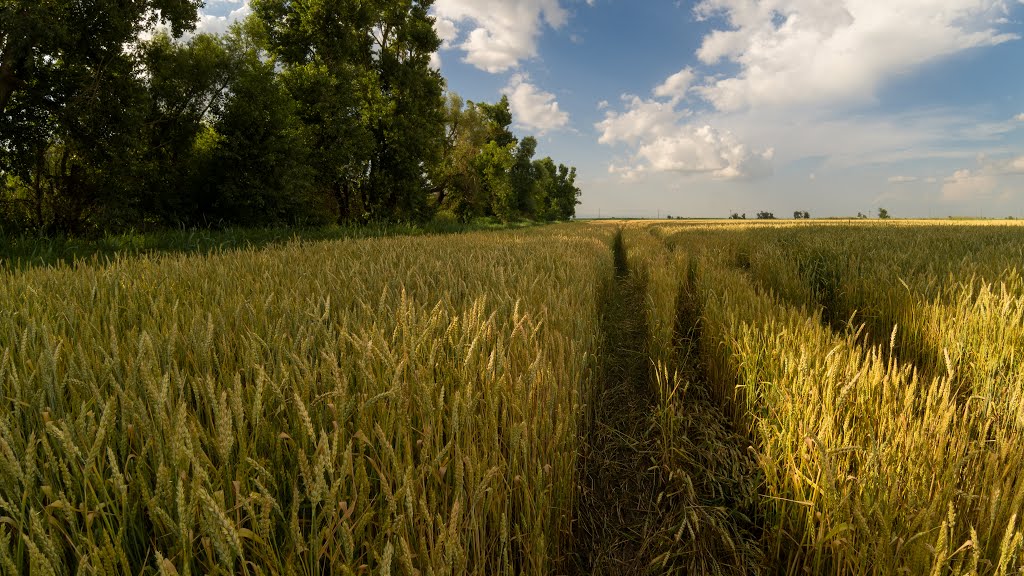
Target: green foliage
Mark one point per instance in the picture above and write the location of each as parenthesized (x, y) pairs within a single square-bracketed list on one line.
[(496, 162), (71, 99), (305, 113), (484, 170), (498, 118)]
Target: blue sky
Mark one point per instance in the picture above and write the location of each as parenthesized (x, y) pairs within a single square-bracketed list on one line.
[(708, 107)]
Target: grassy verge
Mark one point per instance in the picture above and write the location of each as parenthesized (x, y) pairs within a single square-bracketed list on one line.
[(29, 251)]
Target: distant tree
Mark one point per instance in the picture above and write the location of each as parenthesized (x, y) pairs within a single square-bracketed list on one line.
[(669, 216), (455, 178), (861, 215), (522, 176), (798, 215), (496, 162), (567, 195), (883, 214), (736, 216), (807, 215), (765, 216)]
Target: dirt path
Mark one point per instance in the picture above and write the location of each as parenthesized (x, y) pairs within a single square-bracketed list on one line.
[(638, 514), (619, 520)]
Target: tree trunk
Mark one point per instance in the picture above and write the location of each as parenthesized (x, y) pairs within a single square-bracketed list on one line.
[(38, 208), (341, 196)]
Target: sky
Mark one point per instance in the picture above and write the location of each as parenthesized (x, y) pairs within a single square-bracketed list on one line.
[(709, 107)]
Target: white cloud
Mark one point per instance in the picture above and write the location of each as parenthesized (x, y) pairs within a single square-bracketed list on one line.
[(663, 140), (501, 33), (703, 149), (902, 179), (534, 108), (1014, 166), (210, 24), (989, 180), (814, 52), (446, 31), (628, 173), (676, 85), (643, 119), (969, 185), (1019, 117)]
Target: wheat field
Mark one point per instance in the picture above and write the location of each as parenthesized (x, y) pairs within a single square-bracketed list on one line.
[(814, 398)]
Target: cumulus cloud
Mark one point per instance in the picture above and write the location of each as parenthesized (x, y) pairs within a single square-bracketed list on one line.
[(534, 108), (969, 185), (676, 85), (990, 179), (809, 52), (628, 172), (662, 141), (703, 149), (500, 33), (642, 119), (447, 31), (211, 24), (1019, 117)]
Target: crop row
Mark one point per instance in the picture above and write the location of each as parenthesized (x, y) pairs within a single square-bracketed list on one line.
[(406, 405), (865, 466)]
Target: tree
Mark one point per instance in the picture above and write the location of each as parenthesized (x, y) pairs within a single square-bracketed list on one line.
[(566, 193), (495, 162), (259, 171), (522, 176), (455, 180), (376, 105), (71, 99), (187, 86), (765, 216), (545, 189), (883, 214), (498, 117)]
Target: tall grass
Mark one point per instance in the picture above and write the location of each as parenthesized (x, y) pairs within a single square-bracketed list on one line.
[(400, 405)]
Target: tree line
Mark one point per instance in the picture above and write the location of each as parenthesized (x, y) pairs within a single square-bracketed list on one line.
[(113, 116)]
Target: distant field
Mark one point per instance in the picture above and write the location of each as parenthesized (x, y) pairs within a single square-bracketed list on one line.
[(587, 398)]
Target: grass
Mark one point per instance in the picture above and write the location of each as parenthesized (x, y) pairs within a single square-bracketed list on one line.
[(29, 251)]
